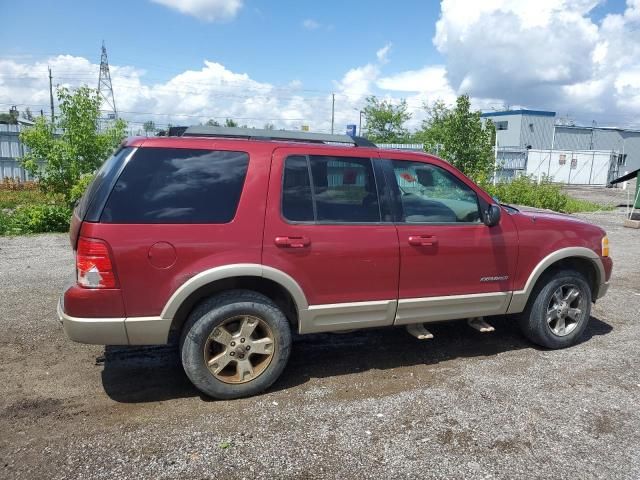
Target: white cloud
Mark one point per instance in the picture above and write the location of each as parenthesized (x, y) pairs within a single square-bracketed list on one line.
[(431, 81), (383, 53), (357, 83), (544, 54), (207, 10), (191, 97), (311, 24)]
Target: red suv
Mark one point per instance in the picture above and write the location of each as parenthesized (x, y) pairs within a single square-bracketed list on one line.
[(229, 239)]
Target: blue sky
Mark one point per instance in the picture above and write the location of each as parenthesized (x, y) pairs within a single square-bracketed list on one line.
[(265, 39), (279, 62)]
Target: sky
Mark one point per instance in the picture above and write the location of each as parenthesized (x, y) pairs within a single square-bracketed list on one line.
[(186, 61)]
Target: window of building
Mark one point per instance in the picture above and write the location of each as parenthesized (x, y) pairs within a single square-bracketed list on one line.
[(562, 159), (430, 194), (332, 190), (178, 185), (622, 159), (502, 125)]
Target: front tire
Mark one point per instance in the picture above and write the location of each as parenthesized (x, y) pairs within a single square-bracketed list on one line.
[(558, 311), (235, 344)]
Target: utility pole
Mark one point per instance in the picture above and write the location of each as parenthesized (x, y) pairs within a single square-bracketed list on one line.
[(51, 94), (105, 89), (333, 110), (495, 159)]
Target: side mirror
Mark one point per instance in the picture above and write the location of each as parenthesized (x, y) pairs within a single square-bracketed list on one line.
[(492, 215)]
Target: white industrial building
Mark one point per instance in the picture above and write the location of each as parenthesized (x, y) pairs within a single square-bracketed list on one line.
[(531, 142)]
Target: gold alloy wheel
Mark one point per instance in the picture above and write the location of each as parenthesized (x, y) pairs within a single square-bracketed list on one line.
[(239, 349)]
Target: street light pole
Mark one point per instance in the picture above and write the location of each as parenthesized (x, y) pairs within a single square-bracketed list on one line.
[(360, 125)]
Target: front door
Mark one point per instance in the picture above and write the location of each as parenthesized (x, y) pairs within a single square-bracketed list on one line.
[(451, 264), (326, 228)]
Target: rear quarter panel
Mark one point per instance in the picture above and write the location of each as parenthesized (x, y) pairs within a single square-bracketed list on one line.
[(198, 247)]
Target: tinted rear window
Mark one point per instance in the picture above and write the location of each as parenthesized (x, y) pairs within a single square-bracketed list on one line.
[(177, 185), (101, 185)]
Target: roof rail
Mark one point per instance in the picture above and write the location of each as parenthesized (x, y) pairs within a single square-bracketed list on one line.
[(260, 134)]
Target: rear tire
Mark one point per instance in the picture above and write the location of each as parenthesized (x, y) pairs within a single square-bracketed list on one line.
[(235, 344), (558, 310)]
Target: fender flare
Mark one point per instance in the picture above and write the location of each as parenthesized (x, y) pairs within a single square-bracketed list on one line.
[(229, 271), (520, 297)]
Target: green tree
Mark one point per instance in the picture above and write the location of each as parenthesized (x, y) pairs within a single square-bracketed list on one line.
[(149, 127), (11, 118), (459, 136), (385, 121), (212, 123), (269, 126), (229, 122), (74, 145)]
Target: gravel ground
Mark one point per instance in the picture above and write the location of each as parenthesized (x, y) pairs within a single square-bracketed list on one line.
[(373, 404), (609, 197)]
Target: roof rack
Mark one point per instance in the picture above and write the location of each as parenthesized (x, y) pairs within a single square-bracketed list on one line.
[(259, 134)]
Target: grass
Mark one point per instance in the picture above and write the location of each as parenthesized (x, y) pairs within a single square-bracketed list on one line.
[(575, 205)]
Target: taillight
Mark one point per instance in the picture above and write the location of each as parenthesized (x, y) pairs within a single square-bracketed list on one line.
[(93, 264)]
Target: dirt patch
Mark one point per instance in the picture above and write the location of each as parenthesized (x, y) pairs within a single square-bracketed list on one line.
[(373, 404)]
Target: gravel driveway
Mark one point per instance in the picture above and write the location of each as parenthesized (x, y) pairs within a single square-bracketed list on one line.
[(373, 404)]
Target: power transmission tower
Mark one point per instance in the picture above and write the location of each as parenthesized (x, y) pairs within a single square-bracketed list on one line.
[(105, 89)]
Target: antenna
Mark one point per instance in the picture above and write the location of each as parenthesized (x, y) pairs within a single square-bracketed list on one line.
[(105, 89)]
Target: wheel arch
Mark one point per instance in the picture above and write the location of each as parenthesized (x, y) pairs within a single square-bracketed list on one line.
[(582, 259), (281, 288)]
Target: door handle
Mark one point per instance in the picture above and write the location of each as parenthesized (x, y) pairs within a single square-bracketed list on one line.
[(292, 242), (423, 240)]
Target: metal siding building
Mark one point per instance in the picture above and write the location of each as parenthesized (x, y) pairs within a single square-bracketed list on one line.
[(534, 129), (522, 128), (11, 151)]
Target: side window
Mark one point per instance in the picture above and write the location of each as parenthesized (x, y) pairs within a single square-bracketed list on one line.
[(330, 189), (297, 204), (430, 194), (178, 185)]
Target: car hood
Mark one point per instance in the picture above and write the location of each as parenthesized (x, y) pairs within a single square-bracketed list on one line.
[(542, 214)]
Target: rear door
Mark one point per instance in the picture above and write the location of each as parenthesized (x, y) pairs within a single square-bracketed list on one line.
[(327, 227), (452, 264)]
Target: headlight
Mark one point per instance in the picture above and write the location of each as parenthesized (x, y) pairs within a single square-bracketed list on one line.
[(605, 247)]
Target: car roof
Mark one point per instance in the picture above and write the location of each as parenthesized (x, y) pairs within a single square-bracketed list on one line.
[(244, 144)]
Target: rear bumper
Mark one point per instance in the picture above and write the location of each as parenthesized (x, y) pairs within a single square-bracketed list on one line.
[(114, 331), (98, 331)]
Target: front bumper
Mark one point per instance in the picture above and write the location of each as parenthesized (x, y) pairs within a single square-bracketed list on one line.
[(603, 289), (97, 331)]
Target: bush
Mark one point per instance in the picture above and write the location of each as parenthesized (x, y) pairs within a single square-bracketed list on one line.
[(527, 191), (15, 184), (35, 219), (79, 188), (10, 199)]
